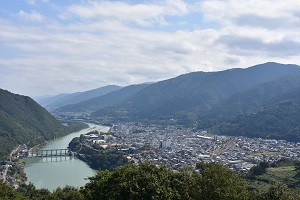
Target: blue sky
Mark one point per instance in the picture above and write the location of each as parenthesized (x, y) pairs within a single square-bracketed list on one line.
[(49, 47)]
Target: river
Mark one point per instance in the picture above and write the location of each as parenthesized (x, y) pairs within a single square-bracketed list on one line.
[(53, 172)]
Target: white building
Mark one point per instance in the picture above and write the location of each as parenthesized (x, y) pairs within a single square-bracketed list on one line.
[(166, 143)]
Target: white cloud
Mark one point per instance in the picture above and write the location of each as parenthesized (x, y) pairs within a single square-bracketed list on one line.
[(31, 16), (95, 43), (268, 28), (142, 14), (34, 2), (225, 11), (30, 2)]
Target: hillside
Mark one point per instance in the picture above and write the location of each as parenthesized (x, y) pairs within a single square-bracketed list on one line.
[(190, 96), (278, 119), (259, 101), (66, 99), (45, 100), (284, 171), (256, 97), (110, 99), (23, 121)]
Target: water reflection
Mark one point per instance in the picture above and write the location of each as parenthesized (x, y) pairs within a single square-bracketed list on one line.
[(51, 159), (58, 171)]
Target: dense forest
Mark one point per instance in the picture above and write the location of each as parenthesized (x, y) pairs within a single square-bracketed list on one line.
[(278, 120), (147, 181), (23, 121), (196, 93)]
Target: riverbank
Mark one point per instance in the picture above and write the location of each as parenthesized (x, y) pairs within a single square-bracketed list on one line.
[(13, 166), (13, 173), (44, 172), (99, 150), (38, 171)]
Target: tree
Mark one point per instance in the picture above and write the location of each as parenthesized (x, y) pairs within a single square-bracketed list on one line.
[(8, 193), (259, 169), (32, 193), (147, 181), (67, 193), (130, 182), (218, 182), (276, 191), (297, 165)]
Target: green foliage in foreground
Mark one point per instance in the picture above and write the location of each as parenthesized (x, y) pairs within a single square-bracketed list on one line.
[(8, 193), (283, 171), (146, 181)]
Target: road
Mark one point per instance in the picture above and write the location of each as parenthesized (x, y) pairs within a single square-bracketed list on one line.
[(7, 165), (230, 146)]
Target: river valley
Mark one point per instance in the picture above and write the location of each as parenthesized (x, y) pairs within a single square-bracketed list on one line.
[(53, 172)]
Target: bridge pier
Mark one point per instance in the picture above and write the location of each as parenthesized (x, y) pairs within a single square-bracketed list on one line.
[(49, 153)]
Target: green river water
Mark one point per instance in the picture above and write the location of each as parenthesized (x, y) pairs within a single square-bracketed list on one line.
[(53, 172)]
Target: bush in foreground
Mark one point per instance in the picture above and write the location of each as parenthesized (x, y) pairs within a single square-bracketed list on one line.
[(147, 181)]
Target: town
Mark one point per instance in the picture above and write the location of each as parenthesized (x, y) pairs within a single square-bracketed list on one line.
[(176, 146)]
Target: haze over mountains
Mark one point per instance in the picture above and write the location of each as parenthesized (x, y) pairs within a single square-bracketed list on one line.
[(218, 101), (60, 100), (260, 101), (109, 99), (196, 93)]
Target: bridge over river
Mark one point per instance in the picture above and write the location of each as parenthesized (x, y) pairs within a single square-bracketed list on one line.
[(49, 153)]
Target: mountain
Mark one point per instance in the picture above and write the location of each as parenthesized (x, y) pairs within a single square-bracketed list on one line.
[(187, 98), (268, 110), (278, 119), (109, 99), (65, 99), (45, 100), (23, 121), (255, 98)]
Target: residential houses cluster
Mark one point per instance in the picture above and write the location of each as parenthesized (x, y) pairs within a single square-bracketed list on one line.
[(178, 146)]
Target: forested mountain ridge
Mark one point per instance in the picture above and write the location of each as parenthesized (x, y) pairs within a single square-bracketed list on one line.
[(278, 119), (109, 99), (189, 96), (259, 101), (23, 121), (256, 97), (66, 99)]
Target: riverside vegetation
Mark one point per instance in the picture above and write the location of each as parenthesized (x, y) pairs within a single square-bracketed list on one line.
[(97, 157), (146, 181)]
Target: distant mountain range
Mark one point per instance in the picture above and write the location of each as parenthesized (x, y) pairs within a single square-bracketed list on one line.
[(278, 118), (195, 94), (60, 100), (222, 102), (225, 102), (23, 121), (106, 100)]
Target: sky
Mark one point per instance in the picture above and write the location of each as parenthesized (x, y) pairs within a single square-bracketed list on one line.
[(49, 47)]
